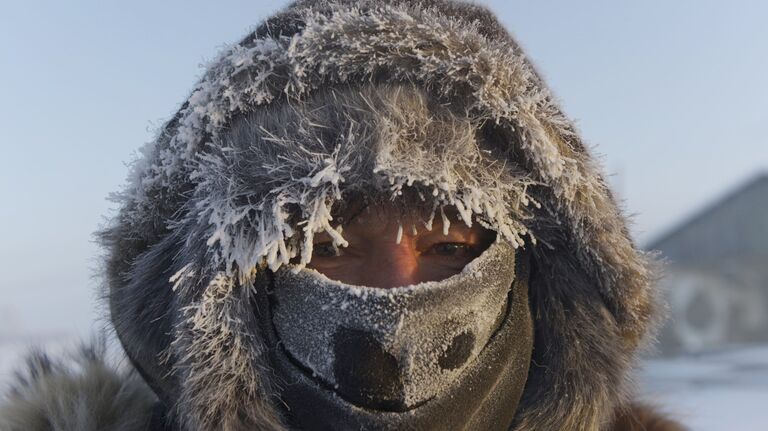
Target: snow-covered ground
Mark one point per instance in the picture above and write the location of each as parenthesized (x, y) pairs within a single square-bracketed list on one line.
[(713, 392)]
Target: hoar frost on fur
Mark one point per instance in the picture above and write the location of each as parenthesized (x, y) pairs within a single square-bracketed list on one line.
[(283, 65), (266, 211), (277, 241)]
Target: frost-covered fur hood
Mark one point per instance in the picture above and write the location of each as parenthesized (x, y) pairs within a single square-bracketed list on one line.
[(426, 100)]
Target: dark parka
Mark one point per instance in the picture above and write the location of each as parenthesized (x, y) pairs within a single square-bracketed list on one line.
[(323, 101)]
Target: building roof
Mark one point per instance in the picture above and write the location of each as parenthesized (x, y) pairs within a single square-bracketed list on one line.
[(734, 225)]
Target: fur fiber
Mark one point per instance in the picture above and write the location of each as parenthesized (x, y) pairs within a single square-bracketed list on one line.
[(642, 417), (429, 102), (85, 393)]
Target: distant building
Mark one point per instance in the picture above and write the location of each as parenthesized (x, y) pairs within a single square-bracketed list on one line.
[(716, 277)]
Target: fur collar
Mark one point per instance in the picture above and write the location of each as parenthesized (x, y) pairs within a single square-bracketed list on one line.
[(80, 393)]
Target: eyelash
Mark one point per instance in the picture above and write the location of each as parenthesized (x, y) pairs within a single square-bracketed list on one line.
[(328, 249), (466, 248)]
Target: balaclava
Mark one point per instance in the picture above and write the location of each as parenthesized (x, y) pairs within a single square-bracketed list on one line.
[(449, 354), (427, 104)]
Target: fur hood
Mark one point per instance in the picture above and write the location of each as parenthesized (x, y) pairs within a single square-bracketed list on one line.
[(430, 100)]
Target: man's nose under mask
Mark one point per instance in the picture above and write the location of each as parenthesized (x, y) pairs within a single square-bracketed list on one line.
[(393, 349)]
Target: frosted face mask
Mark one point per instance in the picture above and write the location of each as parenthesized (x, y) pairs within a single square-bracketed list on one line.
[(392, 349)]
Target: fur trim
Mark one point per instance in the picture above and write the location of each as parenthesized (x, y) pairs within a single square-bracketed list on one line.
[(83, 394), (275, 135), (642, 417)]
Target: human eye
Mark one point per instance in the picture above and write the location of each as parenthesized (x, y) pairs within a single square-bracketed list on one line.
[(451, 249), (326, 249)]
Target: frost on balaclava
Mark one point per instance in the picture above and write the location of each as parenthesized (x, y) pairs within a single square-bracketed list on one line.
[(448, 354)]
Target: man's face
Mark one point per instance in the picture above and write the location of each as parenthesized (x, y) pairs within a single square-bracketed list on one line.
[(375, 258)]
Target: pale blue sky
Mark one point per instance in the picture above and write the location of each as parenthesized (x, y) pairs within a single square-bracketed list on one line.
[(672, 93)]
